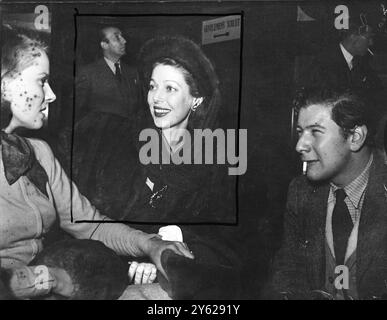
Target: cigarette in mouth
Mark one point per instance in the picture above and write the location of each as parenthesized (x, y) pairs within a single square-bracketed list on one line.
[(371, 53), (304, 167)]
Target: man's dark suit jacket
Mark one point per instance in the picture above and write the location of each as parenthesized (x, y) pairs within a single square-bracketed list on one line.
[(300, 263), (329, 70), (97, 89)]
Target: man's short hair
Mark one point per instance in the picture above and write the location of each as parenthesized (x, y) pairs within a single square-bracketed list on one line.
[(349, 110), (356, 27), (102, 35)]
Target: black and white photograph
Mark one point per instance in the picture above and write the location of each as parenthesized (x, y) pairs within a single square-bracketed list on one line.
[(212, 151)]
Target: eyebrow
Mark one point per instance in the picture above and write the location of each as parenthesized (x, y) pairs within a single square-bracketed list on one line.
[(168, 80), (312, 126), (173, 82)]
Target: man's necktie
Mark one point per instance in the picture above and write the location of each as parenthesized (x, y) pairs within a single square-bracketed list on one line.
[(341, 226), (356, 61), (357, 74), (118, 71)]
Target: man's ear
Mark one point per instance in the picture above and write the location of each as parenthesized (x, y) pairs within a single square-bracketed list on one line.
[(358, 137), (104, 45)]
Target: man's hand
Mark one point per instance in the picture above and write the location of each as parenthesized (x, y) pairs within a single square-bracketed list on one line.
[(142, 273), (155, 246)]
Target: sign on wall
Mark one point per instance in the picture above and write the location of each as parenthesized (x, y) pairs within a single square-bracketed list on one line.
[(221, 29)]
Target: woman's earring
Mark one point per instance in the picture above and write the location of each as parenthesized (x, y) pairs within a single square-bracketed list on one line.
[(196, 104)]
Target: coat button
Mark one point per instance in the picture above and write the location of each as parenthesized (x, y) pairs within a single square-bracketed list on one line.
[(331, 279)]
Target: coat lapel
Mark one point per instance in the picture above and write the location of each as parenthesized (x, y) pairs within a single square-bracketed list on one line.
[(374, 212), (104, 67), (315, 215), (343, 65)]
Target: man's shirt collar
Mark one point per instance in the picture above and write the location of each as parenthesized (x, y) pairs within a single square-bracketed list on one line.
[(111, 65), (347, 56), (356, 188)]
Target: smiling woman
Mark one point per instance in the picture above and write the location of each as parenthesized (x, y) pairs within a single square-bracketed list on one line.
[(169, 97), (183, 201)]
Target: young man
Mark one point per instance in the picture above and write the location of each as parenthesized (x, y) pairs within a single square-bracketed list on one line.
[(336, 221)]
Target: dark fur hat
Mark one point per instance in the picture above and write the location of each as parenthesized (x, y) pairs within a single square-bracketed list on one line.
[(191, 57), (96, 271), (194, 280)]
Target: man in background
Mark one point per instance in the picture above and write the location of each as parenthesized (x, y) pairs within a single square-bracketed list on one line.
[(107, 85), (346, 65), (106, 99)]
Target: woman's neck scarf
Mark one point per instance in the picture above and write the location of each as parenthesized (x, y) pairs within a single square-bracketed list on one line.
[(19, 160)]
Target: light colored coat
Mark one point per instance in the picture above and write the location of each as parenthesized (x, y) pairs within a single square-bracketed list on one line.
[(26, 215)]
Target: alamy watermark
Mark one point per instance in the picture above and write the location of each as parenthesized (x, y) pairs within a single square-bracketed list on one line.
[(342, 278), (42, 280), (226, 143)]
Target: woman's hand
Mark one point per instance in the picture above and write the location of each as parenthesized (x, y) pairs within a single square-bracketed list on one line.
[(142, 273), (155, 246)]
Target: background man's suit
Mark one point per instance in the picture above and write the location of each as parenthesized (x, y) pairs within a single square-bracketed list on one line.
[(97, 89), (300, 264), (330, 70), (105, 114)]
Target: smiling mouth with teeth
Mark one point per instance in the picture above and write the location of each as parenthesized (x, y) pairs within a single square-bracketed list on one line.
[(311, 162), (159, 112)]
